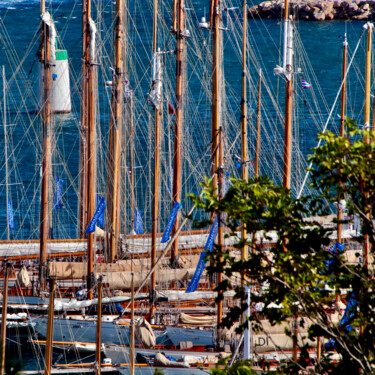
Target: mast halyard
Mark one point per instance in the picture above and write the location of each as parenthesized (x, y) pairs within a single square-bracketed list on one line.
[(366, 120), (6, 152), (45, 58), (90, 53), (257, 152), (342, 125), (176, 193), (115, 147), (157, 86)]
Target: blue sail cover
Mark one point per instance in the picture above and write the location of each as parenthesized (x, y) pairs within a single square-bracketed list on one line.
[(59, 194), (100, 208), (192, 287), (10, 215), (171, 220), (101, 217), (138, 224)]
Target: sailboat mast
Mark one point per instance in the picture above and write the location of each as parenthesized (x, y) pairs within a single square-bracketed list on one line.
[(116, 113), (98, 341), (366, 119), (4, 317), (288, 73), (257, 152), (132, 196), (49, 336), (244, 169), (6, 151), (46, 157), (174, 16), (83, 166), (217, 131), (91, 30), (155, 195), (178, 120), (342, 124)]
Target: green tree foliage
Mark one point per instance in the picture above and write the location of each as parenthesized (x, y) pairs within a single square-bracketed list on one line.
[(294, 266)]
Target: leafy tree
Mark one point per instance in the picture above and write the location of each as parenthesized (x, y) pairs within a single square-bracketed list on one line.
[(295, 263)]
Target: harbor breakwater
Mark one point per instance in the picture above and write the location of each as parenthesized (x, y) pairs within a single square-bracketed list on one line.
[(316, 10)]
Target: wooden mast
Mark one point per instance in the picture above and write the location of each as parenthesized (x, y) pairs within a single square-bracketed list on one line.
[(98, 341), (155, 195), (83, 171), (4, 318), (132, 193), (288, 72), (132, 331), (6, 151), (244, 166), (45, 55), (217, 134), (176, 193), (49, 336), (257, 152), (91, 148), (366, 119), (116, 114)]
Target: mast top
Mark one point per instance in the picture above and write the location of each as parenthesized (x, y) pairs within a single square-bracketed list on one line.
[(286, 6)]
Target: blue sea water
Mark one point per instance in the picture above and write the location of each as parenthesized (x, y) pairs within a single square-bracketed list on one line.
[(319, 57)]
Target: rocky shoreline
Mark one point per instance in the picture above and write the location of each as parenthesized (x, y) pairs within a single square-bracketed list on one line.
[(316, 10)]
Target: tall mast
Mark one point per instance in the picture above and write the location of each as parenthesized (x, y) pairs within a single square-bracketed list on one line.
[(132, 195), (116, 114), (180, 36), (257, 152), (288, 74), (49, 336), (366, 119), (46, 158), (3, 334), (6, 151), (155, 193), (216, 131), (83, 166), (90, 53), (99, 326), (342, 124), (244, 166)]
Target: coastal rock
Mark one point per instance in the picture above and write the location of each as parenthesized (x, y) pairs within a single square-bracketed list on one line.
[(318, 10), (319, 15)]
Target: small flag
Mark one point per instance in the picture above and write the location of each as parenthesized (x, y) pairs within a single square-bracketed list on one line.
[(171, 220), (59, 192), (238, 161), (138, 224), (305, 84), (100, 208), (101, 217), (171, 110), (10, 215)]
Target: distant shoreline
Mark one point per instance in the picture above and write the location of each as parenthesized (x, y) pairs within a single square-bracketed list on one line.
[(316, 10)]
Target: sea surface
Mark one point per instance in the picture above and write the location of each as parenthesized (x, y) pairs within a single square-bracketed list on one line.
[(318, 59)]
